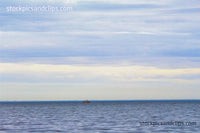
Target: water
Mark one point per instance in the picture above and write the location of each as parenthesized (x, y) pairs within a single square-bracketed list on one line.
[(98, 117)]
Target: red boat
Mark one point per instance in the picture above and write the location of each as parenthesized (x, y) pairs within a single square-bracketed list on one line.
[(86, 101)]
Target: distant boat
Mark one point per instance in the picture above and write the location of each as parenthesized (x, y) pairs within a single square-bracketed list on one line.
[(86, 101)]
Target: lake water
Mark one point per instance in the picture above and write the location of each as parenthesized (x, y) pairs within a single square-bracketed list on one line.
[(100, 117)]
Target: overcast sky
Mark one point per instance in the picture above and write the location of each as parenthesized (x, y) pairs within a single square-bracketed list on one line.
[(100, 50)]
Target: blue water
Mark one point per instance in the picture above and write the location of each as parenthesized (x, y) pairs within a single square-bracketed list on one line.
[(100, 117)]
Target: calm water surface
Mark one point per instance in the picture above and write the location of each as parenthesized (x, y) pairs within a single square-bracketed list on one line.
[(99, 117)]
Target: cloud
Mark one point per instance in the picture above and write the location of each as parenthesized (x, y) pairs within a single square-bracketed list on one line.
[(101, 44), (105, 6), (101, 73), (182, 52), (96, 43), (184, 10)]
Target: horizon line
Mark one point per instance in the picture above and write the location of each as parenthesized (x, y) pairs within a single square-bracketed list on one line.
[(72, 101)]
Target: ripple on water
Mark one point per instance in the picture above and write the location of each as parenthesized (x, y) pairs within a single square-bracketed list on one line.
[(97, 117)]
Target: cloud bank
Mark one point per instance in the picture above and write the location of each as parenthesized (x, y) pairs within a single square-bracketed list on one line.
[(149, 48)]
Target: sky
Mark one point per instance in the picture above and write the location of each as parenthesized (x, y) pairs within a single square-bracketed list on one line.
[(99, 49)]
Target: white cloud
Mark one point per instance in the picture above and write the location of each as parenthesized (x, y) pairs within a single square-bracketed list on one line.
[(90, 30), (26, 39), (100, 73)]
